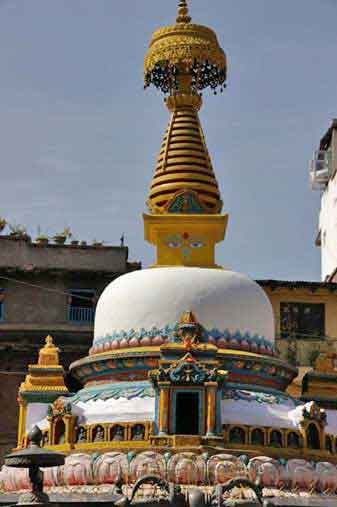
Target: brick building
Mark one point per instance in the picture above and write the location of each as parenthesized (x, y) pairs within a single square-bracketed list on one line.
[(47, 289)]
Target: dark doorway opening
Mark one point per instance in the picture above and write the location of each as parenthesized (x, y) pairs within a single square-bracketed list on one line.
[(187, 413), (60, 432), (313, 437)]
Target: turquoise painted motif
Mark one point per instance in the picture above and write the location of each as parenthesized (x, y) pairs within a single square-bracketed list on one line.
[(126, 390), (155, 336), (186, 203), (145, 390), (256, 390), (258, 397)]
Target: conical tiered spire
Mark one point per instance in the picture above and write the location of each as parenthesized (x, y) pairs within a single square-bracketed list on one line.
[(184, 164)]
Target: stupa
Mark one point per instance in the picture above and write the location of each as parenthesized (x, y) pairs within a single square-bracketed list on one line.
[(182, 380)]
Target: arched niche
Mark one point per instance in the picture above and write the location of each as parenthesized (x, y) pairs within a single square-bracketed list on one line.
[(257, 437), (81, 435), (275, 439), (59, 432), (117, 433), (237, 435), (98, 434), (293, 440)]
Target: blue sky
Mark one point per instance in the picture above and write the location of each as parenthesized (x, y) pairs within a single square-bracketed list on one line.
[(80, 137)]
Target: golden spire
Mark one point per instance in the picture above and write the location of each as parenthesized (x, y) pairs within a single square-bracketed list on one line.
[(183, 15), (183, 60), (184, 164)]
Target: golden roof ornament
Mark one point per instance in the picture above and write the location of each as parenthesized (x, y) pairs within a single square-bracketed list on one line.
[(185, 57)]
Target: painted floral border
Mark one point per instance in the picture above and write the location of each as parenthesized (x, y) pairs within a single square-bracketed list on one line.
[(144, 338)]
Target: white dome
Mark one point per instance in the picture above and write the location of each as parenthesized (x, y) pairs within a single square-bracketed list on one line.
[(150, 302)]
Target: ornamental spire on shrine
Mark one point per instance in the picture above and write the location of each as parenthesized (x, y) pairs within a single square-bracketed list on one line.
[(183, 14), (184, 199)]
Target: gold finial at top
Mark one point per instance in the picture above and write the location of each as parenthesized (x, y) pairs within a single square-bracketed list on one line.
[(49, 354), (183, 15), (49, 342)]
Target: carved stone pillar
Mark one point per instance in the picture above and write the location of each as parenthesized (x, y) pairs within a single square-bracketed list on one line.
[(164, 400), (211, 388)]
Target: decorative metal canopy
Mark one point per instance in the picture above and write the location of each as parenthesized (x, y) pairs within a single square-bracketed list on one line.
[(185, 57)]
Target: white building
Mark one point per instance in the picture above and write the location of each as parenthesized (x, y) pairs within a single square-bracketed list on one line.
[(323, 170)]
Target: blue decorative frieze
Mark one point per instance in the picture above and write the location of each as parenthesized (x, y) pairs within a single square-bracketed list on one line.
[(258, 397), (156, 337), (127, 390)]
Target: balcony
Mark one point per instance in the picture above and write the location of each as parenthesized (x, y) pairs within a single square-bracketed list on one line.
[(81, 315)]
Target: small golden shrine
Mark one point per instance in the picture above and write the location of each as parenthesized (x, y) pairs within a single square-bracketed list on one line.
[(43, 383)]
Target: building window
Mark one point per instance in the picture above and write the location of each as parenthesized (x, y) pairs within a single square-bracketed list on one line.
[(302, 320), (81, 306), (2, 297)]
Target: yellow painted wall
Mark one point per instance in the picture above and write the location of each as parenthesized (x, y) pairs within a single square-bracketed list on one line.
[(304, 295)]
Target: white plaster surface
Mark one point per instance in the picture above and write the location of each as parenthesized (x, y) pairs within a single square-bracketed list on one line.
[(112, 410), (328, 228), (35, 412), (157, 297), (276, 415), (331, 427), (260, 414)]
